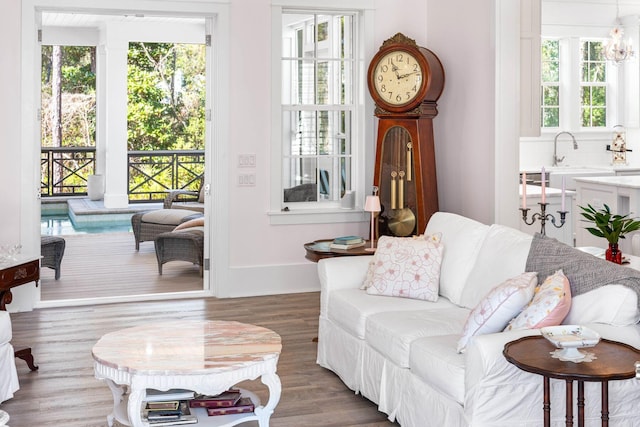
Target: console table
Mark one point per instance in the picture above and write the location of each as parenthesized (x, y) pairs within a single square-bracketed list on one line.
[(615, 361), (206, 357), (23, 269)]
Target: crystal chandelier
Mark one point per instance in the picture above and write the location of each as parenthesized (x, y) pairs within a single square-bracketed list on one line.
[(618, 49)]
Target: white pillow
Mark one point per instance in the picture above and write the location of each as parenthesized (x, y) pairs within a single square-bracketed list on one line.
[(549, 306), (503, 255), (407, 267), (499, 306)]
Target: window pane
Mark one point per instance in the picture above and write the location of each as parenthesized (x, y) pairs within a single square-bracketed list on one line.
[(593, 91), (551, 95), (550, 117), (550, 61)]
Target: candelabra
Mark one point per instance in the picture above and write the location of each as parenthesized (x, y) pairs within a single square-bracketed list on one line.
[(543, 217)]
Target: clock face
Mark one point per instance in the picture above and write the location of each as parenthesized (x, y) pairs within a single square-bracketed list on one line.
[(397, 78)]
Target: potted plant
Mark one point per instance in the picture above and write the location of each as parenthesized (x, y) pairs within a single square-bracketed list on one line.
[(611, 227)]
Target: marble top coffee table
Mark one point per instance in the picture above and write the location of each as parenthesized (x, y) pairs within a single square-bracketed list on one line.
[(204, 356)]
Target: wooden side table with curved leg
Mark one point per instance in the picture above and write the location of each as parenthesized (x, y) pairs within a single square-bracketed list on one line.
[(614, 361)]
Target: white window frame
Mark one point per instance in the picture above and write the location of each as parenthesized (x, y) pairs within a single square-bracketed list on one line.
[(570, 84), (361, 121)]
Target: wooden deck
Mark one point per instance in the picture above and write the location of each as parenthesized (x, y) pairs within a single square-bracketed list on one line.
[(107, 264), (64, 391)]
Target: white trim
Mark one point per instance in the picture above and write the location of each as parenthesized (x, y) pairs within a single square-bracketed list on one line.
[(316, 216), (326, 4)]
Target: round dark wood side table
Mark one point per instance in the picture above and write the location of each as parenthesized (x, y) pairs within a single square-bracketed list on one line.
[(615, 361), (320, 249)]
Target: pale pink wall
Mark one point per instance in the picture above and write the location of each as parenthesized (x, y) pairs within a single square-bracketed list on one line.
[(10, 173), (460, 32)]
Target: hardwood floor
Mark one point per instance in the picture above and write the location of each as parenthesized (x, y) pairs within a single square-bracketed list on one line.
[(107, 264), (64, 392)]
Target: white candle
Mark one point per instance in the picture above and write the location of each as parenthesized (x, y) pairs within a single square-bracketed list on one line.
[(563, 192), (543, 178), (524, 190)]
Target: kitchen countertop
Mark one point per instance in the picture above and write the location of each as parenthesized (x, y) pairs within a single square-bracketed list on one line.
[(536, 191), (628, 181)]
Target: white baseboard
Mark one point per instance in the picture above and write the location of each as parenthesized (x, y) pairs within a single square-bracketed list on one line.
[(270, 280)]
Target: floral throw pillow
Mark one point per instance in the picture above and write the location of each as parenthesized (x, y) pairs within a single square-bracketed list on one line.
[(499, 306), (407, 267), (549, 306)]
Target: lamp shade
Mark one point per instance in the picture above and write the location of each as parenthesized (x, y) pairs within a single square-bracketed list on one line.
[(372, 204)]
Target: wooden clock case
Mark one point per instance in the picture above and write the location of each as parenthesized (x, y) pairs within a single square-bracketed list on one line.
[(405, 168)]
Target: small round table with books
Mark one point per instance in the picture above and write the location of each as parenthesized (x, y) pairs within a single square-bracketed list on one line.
[(171, 368)]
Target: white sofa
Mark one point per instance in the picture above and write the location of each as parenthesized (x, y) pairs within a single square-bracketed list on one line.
[(8, 372), (402, 353)]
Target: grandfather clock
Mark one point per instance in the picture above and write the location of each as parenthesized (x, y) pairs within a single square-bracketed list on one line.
[(405, 82)]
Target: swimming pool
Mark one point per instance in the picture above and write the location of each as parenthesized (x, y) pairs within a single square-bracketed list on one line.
[(61, 224)]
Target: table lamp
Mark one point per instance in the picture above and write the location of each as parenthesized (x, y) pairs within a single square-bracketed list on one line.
[(372, 204)]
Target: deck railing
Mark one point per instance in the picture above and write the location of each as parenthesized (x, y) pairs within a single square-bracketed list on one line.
[(65, 172)]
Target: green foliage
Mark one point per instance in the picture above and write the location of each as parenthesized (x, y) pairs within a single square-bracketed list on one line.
[(611, 227), (166, 89)]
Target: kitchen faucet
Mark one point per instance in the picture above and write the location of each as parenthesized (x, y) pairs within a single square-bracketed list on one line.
[(557, 160)]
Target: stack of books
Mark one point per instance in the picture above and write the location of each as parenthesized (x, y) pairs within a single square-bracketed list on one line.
[(229, 402), (347, 242), (169, 408)]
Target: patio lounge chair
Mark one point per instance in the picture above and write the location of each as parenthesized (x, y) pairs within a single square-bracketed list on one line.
[(185, 199)]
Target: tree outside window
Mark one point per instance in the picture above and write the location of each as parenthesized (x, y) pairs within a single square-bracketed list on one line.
[(550, 76), (593, 86)]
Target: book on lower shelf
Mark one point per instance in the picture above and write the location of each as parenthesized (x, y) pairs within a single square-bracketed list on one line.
[(168, 395), (244, 405), (222, 400), (170, 417), (347, 246)]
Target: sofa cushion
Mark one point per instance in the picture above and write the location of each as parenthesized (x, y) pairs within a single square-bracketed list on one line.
[(549, 306), (436, 361), (503, 255), (391, 333), (498, 307), (615, 305), (350, 308), (461, 238), (167, 216), (406, 267)]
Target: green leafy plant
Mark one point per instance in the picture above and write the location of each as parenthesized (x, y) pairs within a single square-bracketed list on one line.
[(611, 227)]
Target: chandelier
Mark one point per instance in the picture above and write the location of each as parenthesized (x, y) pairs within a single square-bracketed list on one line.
[(618, 49)]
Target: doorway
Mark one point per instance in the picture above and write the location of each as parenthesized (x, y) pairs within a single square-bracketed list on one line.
[(171, 11)]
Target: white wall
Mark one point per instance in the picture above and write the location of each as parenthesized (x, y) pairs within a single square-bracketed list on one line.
[(266, 258)]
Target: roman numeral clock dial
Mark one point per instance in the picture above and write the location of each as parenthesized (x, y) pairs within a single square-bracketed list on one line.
[(405, 82)]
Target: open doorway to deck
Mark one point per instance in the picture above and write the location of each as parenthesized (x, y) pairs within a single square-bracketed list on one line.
[(140, 127)]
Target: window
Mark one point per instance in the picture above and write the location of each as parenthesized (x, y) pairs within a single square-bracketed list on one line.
[(550, 73), (318, 81), (593, 84), (578, 86)]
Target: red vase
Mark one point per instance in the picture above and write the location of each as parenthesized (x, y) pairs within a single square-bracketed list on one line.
[(613, 254)]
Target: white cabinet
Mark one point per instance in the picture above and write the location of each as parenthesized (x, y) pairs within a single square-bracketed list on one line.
[(620, 193)]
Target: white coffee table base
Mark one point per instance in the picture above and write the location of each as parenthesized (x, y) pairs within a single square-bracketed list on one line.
[(221, 367), (127, 407)]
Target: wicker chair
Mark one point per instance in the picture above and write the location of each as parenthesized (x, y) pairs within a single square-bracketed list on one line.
[(185, 199), (186, 244), (52, 251), (148, 225)]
